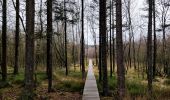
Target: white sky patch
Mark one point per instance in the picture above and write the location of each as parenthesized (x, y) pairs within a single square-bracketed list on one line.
[(139, 23)]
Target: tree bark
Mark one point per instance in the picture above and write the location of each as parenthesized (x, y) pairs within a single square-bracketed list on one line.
[(149, 50), (102, 27), (4, 40), (17, 38), (113, 35), (49, 43), (29, 54), (155, 41), (73, 48), (111, 66), (82, 42), (120, 52), (65, 30)]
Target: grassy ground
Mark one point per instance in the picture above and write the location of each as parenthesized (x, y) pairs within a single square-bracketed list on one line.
[(136, 87), (66, 88)]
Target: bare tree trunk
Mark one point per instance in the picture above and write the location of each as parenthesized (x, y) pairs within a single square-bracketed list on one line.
[(65, 30), (100, 57), (96, 51), (29, 56), (102, 30), (49, 43), (82, 42), (4, 41), (149, 50), (164, 44), (155, 41), (111, 66), (113, 35), (120, 59), (17, 38), (87, 47), (73, 49)]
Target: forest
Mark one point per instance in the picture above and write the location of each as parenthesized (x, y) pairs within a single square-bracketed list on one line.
[(84, 50)]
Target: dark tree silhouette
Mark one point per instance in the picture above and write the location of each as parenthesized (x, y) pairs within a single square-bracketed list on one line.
[(65, 30), (111, 65), (113, 31), (119, 46), (100, 61), (100, 56), (49, 43), (82, 42), (17, 37), (155, 40), (102, 30), (4, 41), (29, 53), (149, 48)]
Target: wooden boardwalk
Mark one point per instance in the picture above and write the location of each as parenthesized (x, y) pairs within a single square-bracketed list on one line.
[(90, 89)]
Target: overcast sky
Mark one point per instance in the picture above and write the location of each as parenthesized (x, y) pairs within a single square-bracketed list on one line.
[(136, 13)]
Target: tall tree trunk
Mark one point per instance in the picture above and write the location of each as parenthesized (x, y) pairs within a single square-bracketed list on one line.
[(65, 31), (155, 40), (100, 57), (113, 35), (29, 54), (96, 51), (102, 27), (17, 38), (4, 41), (87, 47), (149, 49), (49, 43), (111, 66), (82, 42), (73, 49), (164, 43), (100, 50), (120, 53)]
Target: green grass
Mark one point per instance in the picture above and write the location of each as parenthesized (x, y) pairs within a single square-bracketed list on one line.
[(135, 88), (112, 83), (16, 79), (71, 83), (167, 82), (4, 84), (70, 86), (19, 78), (61, 83)]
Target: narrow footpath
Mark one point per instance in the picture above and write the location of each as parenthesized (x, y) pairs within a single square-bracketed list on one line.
[(90, 89)]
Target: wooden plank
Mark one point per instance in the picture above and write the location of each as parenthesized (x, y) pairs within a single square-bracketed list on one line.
[(90, 89)]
